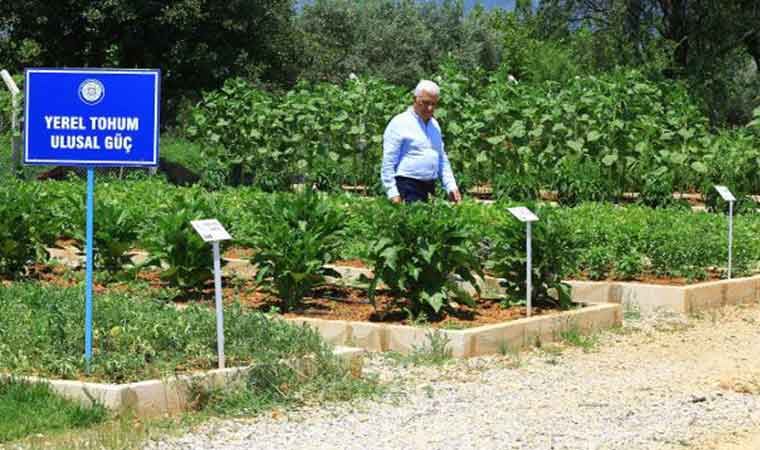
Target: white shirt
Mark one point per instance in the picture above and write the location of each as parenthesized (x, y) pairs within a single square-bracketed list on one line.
[(414, 149)]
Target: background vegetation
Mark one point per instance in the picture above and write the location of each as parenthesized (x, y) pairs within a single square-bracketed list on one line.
[(713, 46)]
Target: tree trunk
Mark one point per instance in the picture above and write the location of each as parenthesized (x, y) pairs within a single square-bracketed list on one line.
[(753, 48), (632, 25), (676, 28)]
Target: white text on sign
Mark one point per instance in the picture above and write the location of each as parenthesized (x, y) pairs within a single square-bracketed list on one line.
[(84, 142)]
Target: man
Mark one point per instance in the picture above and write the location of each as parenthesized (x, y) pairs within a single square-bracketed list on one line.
[(413, 154)]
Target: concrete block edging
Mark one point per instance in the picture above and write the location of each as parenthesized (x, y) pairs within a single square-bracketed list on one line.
[(172, 394), (483, 340), (689, 299)]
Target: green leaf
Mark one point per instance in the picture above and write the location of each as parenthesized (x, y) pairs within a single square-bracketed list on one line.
[(496, 140), (699, 167), (575, 145), (610, 159), (593, 136), (517, 130), (436, 301)]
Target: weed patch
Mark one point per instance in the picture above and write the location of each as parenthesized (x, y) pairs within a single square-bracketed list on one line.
[(434, 352), (27, 409)]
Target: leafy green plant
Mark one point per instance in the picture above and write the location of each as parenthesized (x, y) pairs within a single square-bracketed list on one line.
[(297, 235), (551, 259), (657, 189), (435, 351), (116, 232), (184, 259), (575, 337), (416, 250), (17, 245), (598, 262), (27, 408), (629, 266), (589, 138)]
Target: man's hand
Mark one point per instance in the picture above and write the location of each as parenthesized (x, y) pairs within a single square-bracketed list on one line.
[(396, 199), (455, 196)]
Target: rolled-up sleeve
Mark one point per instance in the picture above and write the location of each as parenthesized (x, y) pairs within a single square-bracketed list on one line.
[(447, 176), (391, 149)]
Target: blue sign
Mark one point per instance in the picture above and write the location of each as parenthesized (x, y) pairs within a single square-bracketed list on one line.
[(86, 117)]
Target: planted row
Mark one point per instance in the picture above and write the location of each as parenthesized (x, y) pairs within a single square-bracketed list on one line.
[(590, 139), (413, 249), (133, 338)]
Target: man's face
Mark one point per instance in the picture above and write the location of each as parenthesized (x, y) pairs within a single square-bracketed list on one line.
[(425, 104)]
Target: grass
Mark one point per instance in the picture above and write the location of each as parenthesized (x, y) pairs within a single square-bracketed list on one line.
[(574, 337), (434, 352), (134, 338), (27, 409), (512, 353), (120, 433), (182, 151), (631, 311), (137, 339)]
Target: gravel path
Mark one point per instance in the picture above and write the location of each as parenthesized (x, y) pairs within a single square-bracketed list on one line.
[(659, 383)]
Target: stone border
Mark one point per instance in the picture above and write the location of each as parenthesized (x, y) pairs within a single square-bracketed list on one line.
[(173, 394), (475, 341), (470, 342), (648, 298)]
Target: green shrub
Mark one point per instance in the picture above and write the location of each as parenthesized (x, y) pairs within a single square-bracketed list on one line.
[(297, 236), (134, 338), (18, 229), (184, 259), (552, 257), (416, 249)]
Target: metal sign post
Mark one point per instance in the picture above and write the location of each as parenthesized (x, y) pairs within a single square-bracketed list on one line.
[(88, 264), (726, 195), (14, 90), (91, 118), (212, 231), (525, 215)]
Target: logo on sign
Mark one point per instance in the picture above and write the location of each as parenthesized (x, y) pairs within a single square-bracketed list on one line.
[(91, 91)]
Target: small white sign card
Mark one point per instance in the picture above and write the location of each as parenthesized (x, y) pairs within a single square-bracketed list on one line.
[(523, 214), (725, 193), (210, 230)]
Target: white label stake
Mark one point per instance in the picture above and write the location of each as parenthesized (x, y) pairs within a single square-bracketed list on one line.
[(726, 195), (525, 215), (213, 231), (218, 301)]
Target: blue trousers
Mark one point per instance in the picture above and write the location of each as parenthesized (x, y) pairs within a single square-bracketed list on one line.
[(413, 190)]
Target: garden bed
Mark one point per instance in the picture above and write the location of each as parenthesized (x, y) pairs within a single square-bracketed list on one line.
[(482, 340), (174, 394), (687, 299), (343, 316), (150, 357)]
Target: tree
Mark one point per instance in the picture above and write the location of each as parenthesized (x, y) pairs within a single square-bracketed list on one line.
[(712, 41), (397, 40), (196, 43)]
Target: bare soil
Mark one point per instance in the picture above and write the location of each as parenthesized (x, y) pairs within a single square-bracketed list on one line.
[(662, 281), (326, 302)]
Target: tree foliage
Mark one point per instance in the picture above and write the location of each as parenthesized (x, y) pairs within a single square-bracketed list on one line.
[(196, 43), (399, 41), (713, 43)]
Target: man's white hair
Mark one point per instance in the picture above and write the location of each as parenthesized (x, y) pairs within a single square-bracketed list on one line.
[(428, 86)]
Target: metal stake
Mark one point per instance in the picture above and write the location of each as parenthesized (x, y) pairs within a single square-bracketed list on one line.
[(529, 269), (218, 299), (730, 234), (89, 264)]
